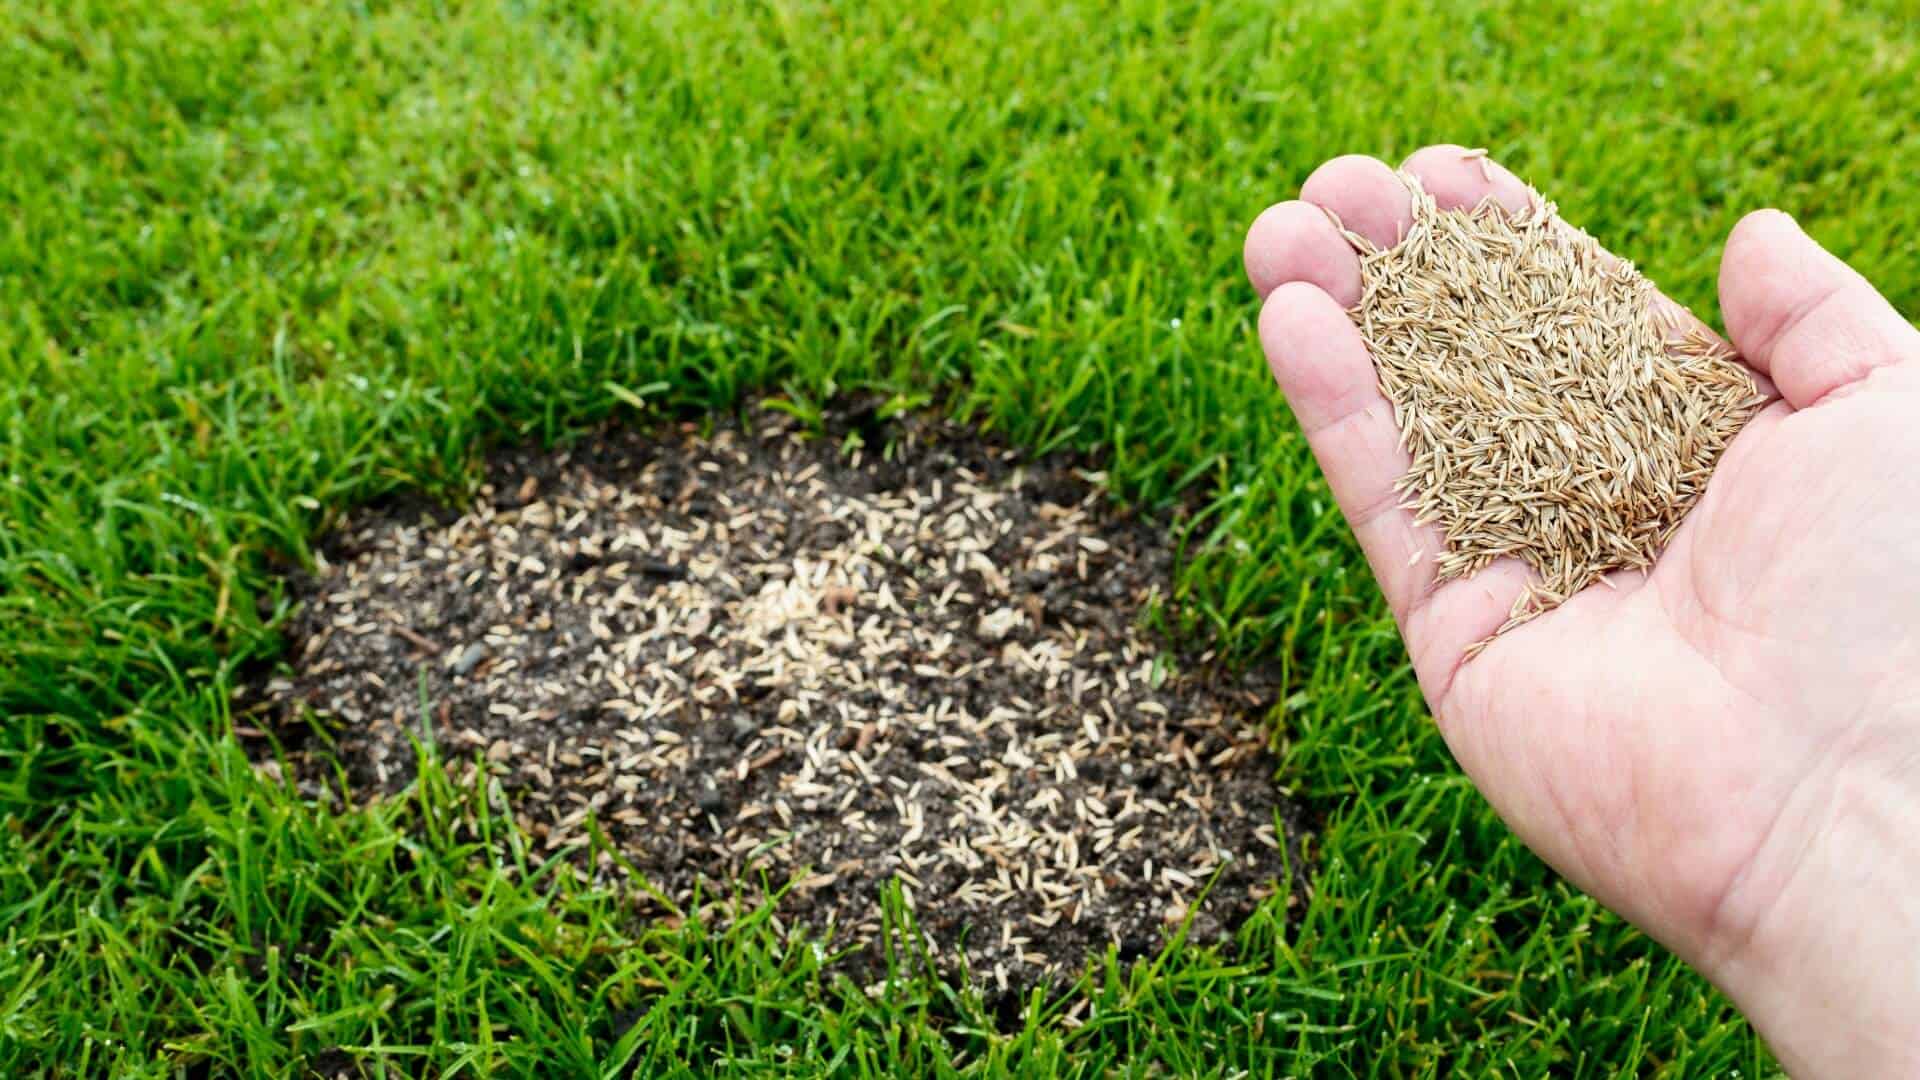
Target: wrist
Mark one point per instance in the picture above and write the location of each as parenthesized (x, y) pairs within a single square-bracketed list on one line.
[(1819, 942)]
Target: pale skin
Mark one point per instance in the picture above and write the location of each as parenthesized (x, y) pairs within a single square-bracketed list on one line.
[(1724, 750)]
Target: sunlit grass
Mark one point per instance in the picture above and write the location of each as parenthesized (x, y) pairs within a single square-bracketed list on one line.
[(258, 265)]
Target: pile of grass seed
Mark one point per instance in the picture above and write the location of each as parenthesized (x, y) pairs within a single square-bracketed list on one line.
[(1557, 409)]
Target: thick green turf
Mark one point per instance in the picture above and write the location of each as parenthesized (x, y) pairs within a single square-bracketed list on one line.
[(258, 264)]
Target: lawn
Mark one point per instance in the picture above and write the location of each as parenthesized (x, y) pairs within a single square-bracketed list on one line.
[(261, 263)]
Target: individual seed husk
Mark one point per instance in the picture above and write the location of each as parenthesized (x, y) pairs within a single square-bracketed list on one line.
[(1556, 409)]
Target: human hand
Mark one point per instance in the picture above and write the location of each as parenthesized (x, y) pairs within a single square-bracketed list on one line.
[(1726, 749)]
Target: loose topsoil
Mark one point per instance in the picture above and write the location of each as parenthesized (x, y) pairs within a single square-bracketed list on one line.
[(893, 652)]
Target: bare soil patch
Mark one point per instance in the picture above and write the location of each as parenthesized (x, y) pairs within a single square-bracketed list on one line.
[(890, 653)]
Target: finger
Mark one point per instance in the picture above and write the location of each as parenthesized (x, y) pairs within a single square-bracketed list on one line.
[(1296, 241), (1365, 195), (1322, 366), (1459, 178), (1801, 315)]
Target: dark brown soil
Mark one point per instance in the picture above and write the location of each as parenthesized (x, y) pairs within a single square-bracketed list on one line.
[(891, 653)]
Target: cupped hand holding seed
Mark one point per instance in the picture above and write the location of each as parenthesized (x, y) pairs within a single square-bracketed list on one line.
[(1724, 745)]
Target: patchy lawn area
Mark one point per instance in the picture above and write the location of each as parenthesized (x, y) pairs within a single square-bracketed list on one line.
[(264, 266)]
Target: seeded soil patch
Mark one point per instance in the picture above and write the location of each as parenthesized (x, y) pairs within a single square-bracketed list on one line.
[(762, 658)]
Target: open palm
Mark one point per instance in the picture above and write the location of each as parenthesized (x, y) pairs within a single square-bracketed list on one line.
[(1725, 750)]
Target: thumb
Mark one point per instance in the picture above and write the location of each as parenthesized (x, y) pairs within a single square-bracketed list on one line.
[(1803, 317)]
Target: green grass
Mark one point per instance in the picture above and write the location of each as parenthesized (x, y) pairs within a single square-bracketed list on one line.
[(259, 265)]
